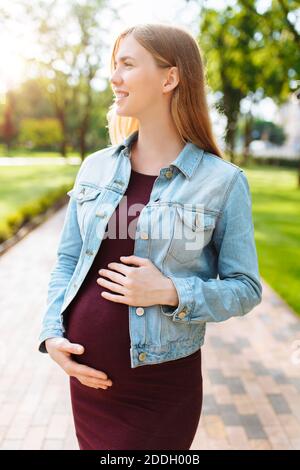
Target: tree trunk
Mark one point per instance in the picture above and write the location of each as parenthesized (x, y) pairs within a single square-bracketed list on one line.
[(247, 137), (63, 145), (85, 125), (230, 138)]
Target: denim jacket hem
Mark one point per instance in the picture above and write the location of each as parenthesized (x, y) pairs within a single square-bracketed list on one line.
[(149, 354)]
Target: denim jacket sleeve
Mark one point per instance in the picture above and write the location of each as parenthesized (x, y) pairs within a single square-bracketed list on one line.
[(68, 253), (238, 289)]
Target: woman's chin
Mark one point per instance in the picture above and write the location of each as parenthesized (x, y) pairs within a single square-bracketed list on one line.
[(123, 112)]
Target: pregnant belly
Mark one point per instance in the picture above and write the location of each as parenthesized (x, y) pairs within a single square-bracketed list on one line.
[(102, 327)]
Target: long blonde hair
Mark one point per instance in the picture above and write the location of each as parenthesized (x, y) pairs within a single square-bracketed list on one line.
[(171, 46)]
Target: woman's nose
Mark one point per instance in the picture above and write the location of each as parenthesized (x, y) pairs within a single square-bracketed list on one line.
[(114, 78)]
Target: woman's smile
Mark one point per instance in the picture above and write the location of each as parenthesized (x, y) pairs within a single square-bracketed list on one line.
[(119, 98)]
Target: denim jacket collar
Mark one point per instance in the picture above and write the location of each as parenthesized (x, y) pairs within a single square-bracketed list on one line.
[(187, 160)]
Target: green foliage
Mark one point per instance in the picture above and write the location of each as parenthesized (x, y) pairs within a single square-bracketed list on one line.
[(264, 129), (28, 191), (249, 54), (14, 221), (43, 134), (268, 130)]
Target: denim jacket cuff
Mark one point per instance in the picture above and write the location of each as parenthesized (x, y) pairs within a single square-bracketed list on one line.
[(185, 295), (48, 334)]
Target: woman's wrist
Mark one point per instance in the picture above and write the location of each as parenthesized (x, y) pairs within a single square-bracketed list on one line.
[(169, 293)]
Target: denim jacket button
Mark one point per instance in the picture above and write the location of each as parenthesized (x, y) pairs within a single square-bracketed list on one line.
[(144, 236), (169, 174), (182, 314), (140, 311), (101, 213), (142, 356)]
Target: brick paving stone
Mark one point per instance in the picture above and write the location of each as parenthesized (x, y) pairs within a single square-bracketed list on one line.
[(222, 394), (53, 444), (235, 385), (3, 430), (19, 426), (230, 415), (209, 405), (201, 440), (278, 438), (70, 442), (214, 426), (253, 427), (251, 384), (279, 376), (290, 425), (11, 444), (279, 403), (34, 438), (218, 444), (244, 404), (295, 444), (58, 427), (237, 437), (267, 384), (7, 413), (260, 444), (267, 414)]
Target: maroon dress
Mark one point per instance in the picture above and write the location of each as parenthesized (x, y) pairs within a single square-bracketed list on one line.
[(149, 407)]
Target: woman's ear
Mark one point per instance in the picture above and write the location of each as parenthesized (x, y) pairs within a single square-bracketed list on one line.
[(172, 79)]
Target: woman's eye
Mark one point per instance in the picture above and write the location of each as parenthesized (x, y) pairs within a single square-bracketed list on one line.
[(129, 65)]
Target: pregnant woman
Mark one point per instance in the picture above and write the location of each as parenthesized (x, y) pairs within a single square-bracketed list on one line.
[(151, 223)]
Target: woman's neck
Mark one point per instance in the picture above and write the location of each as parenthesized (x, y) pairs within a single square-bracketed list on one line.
[(147, 162)]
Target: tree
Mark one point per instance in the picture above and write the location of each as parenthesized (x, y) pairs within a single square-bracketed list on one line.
[(41, 134), (282, 40), (70, 36), (238, 43), (8, 128)]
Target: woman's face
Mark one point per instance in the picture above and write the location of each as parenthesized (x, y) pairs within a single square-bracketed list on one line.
[(139, 76)]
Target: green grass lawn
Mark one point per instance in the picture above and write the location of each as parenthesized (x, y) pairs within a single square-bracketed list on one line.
[(276, 215), (28, 189)]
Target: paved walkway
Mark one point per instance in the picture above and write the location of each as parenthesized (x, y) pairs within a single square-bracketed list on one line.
[(251, 372)]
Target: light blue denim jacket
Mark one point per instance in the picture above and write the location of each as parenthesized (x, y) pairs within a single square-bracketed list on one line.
[(215, 273)]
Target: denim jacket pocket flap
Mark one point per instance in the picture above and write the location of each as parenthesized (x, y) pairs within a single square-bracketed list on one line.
[(193, 231), (84, 193), (196, 220)]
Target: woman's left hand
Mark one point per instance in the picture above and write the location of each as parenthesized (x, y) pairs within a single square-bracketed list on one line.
[(140, 285)]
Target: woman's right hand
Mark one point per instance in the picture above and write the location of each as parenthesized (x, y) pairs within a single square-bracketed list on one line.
[(60, 350)]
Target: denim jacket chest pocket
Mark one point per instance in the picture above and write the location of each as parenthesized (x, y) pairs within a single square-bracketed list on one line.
[(193, 230), (85, 195)]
